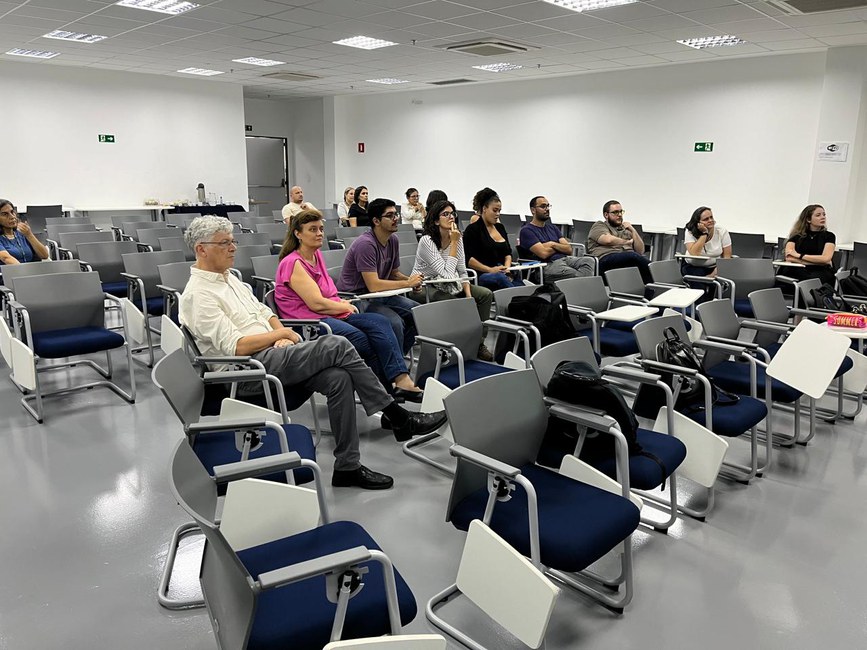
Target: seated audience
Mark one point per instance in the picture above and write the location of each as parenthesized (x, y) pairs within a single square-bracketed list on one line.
[(440, 256), (478, 201), (616, 244), (487, 245), (343, 206), (303, 289), (18, 244), (434, 196), (296, 204), (413, 211), (227, 320), (703, 237), (542, 240), (372, 264), (811, 244), (358, 209)]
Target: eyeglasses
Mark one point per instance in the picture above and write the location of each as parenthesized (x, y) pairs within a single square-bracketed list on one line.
[(394, 216), (413, 196), (617, 212), (544, 206), (447, 215), (224, 244)]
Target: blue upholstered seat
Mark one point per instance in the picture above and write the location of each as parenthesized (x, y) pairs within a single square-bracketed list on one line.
[(473, 370), (300, 611), (118, 289), (735, 419), (155, 306), (219, 448), (744, 308), (614, 342), (645, 473), (565, 507), (735, 377), (55, 344)]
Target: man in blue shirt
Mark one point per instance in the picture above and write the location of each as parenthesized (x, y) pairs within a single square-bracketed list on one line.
[(373, 264), (543, 240)]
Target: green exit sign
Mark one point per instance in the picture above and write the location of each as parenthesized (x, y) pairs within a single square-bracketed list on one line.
[(705, 147), (106, 138)]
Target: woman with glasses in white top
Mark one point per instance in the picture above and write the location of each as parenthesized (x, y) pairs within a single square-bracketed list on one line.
[(413, 211), (18, 244), (440, 256)]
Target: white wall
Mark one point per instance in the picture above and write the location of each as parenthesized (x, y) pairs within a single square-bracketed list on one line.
[(301, 122), (582, 140), (170, 133)]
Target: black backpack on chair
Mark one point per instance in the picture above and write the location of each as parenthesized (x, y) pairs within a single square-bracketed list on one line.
[(854, 284), (579, 383), (547, 310)]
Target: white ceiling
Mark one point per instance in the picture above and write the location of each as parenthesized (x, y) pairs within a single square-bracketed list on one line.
[(300, 32)]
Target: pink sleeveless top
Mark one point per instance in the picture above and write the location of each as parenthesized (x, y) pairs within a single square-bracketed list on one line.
[(289, 303)]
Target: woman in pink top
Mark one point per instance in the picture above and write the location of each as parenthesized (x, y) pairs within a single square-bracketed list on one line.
[(303, 289)]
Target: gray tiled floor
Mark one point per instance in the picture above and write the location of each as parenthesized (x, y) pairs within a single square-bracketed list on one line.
[(86, 516)]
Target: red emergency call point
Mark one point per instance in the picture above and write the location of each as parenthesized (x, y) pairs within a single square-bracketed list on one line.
[(360, 147)]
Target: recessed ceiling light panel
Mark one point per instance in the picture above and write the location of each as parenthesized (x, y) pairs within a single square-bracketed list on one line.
[(252, 60), (204, 72), (498, 67), (364, 42), (36, 54), (711, 41), (589, 5), (171, 7), (387, 81), (62, 35)]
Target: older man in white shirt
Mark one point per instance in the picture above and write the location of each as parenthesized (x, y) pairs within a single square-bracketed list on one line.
[(296, 204), (227, 320)]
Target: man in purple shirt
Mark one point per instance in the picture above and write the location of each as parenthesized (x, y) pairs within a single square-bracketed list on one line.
[(543, 240), (373, 264)]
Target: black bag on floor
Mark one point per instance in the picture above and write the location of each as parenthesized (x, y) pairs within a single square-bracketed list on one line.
[(547, 310), (579, 383)]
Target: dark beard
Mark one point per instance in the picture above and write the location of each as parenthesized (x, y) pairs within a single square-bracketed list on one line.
[(543, 217)]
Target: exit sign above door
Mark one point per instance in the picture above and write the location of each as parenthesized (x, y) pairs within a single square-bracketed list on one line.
[(705, 147), (106, 138)]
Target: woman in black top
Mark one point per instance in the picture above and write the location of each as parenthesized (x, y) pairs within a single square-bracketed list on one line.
[(358, 209), (487, 246), (812, 245)]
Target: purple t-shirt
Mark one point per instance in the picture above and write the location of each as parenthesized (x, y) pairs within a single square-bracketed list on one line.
[(366, 254), (531, 235)]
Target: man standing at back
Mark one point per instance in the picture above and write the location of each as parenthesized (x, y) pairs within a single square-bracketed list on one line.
[(372, 264), (227, 320), (296, 204), (543, 240), (616, 243)]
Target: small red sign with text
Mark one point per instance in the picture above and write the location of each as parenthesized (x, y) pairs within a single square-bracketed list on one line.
[(360, 147)]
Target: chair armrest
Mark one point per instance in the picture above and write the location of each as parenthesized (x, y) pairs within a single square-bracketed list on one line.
[(728, 347), (746, 345), (505, 326), (233, 376), (256, 467), (64, 253), (628, 301), (667, 367), (144, 248), (767, 326), (224, 359), (491, 464), (576, 247), (630, 373), (629, 296), (435, 342), (587, 417), (813, 312), (326, 564), (85, 266), (787, 280), (262, 278), (582, 311)]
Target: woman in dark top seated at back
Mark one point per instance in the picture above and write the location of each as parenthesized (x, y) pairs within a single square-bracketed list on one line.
[(358, 209), (18, 244), (811, 244), (487, 246)]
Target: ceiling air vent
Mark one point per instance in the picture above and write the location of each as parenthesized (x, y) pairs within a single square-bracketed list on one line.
[(451, 82), (800, 7), (488, 47), (290, 76)]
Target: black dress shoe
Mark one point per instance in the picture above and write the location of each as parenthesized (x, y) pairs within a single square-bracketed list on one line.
[(408, 395), (418, 424), (364, 478)]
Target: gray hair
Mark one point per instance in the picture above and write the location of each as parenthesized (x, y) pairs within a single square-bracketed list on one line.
[(204, 229)]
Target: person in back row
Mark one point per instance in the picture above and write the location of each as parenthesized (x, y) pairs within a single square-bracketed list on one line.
[(703, 237), (296, 204), (372, 264), (227, 320), (18, 244), (440, 256), (616, 243), (542, 240), (811, 243)]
